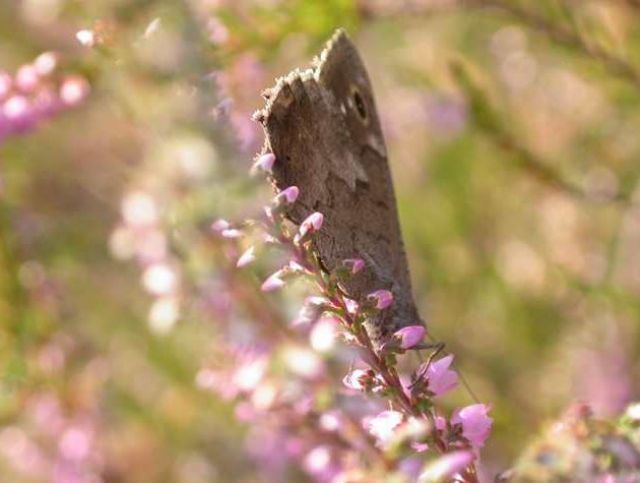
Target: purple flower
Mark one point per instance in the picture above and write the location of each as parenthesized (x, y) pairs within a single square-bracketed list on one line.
[(409, 336), (353, 264), (274, 282), (440, 378), (383, 426), (264, 163), (310, 225), (287, 196), (476, 425), (447, 466), (381, 298)]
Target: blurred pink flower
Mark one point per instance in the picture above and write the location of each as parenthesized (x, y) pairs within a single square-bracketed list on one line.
[(274, 282), (476, 425), (410, 336), (310, 225), (441, 379), (220, 225), (383, 426), (264, 163), (246, 258), (381, 298), (288, 195), (357, 379), (447, 466)]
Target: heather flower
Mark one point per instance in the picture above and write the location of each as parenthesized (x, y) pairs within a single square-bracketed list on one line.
[(476, 425), (383, 426), (264, 163), (440, 378), (357, 379), (287, 196), (310, 225), (220, 225), (323, 334), (381, 299), (231, 233), (74, 90), (274, 282), (410, 336), (246, 258), (446, 466)]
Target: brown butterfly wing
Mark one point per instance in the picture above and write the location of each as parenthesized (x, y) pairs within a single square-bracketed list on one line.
[(323, 127)]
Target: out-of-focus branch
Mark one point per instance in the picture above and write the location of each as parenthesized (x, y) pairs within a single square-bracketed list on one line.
[(614, 64)]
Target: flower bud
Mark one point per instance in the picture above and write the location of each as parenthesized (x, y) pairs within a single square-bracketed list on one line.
[(274, 282), (246, 258), (286, 196), (264, 163), (410, 336), (381, 299), (309, 226)]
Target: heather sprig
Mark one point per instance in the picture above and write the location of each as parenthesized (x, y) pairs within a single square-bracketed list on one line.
[(412, 405)]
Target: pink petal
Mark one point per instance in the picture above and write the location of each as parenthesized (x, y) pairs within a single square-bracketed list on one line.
[(476, 425), (441, 378)]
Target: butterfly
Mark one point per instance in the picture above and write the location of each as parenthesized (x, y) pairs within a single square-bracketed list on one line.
[(324, 130)]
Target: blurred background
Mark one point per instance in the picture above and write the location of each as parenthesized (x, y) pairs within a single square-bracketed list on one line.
[(512, 128)]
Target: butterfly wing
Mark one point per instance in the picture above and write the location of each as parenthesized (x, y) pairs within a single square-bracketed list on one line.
[(323, 127)]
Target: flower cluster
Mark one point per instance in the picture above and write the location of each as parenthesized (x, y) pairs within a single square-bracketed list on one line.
[(35, 93), (413, 427)]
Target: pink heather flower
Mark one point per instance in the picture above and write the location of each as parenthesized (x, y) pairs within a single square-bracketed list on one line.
[(310, 225), (381, 298), (220, 225), (356, 379), (353, 264), (274, 282), (246, 258), (288, 195), (264, 163), (383, 426), (45, 63), (26, 78), (409, 336), (476, 425), (6, 81), (441, 378), (74, 90), (231, 233), (447, 466)]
